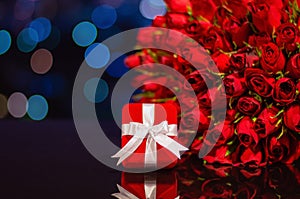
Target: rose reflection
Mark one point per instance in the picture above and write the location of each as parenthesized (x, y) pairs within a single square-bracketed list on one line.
[(193, 179), (216, 181)]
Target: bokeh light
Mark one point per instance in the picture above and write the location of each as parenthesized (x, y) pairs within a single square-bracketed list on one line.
[(5, 41), (27, 40), (97, 55), (41, 61), (152, 8), (96, 90), (17, 105), (23, 9), (158, 3), (104, 16), (37, 107), (3, 106), (117, 68), (42, 26), (84, 34)]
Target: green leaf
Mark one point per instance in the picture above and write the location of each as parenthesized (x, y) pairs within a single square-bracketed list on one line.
[(201, 179), (237, 120), (189, 10), (227, 153)]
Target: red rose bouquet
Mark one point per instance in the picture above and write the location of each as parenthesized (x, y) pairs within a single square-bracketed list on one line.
[(255, 46)]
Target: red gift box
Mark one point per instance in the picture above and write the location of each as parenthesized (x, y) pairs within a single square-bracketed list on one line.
[(151, 185), (163, 115)]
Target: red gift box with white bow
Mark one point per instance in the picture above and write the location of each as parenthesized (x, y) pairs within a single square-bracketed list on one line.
[(149, 133)]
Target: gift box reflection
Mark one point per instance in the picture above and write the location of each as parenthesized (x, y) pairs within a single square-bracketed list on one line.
[(148, 186), (192, 178)]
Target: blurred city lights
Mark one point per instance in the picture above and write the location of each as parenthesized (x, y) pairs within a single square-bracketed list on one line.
[(104, 16), (5, 41), (96, 90), (42, 26), (152, 8), (39, 27), (97, 55), (27, 40), (41, 61), (3, 106), (17, 105), (84, 34), (37, 107)]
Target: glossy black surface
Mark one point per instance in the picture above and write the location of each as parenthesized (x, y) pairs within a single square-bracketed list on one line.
[(48, 160)]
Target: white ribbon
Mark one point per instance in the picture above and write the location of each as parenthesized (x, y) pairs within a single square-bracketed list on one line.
[(154, 133), (149, 186)]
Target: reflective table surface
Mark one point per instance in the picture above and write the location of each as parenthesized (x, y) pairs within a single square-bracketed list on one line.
[(48, 160)]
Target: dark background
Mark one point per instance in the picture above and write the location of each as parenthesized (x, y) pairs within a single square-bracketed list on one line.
[(46, 159), (15, 72)]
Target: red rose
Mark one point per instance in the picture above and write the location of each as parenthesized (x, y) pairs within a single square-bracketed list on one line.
[(283, 150), (196, 81), (213, 95), (259, 39), (133, 61), (272, 59), (219, 134), (234, 85), (214, 40), (260, 82), (251, 156), (249, 106), (284, 91), (196, 28), (218, 155), (166, 60), (191, 51), (238, 61), (251, 56), (298, 89), (204, 120), (160, 21), (176, 20), (230, 114), (190, 120), (265, 16), (204, 8), (204, 100), (238, 8), (266, 122), (217, 188), (287, 36), (293, 66), (222, 62), (246, 132), (292, 117), (188, 104), (239, 32), (179, 6)]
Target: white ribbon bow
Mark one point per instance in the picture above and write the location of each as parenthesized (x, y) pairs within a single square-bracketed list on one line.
[(154, 133), (150, 190)]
